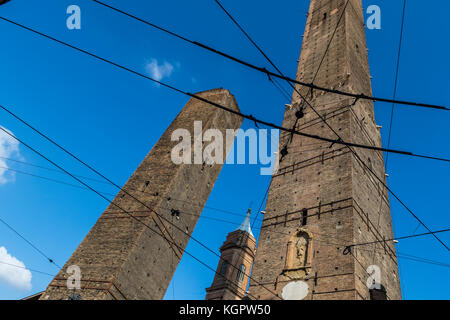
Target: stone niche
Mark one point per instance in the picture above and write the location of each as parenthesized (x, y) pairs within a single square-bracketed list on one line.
[(298, 255)]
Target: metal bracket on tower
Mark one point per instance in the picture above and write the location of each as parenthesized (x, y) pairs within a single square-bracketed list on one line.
[(331, 145), (347, 250)]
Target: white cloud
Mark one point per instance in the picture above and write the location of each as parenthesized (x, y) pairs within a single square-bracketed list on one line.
[(8, 147), (13, 272), (159, 71)]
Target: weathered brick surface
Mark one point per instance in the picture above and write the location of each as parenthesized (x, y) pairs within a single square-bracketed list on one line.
[(345, 203), (122, 259)]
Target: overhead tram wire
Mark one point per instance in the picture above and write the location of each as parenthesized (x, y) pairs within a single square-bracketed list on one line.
[(267, 72), (329, 42), (142, 211), (184, 212), (394, 96), (249, 38), (423, 260), (398, 238), (278, 86), (271, 62), (111, 194), (356, 155), (396, 78), (370, 169), (320, 234), (28, 241), (126, 212), (250, 117), (261, 204), (400, 254), (49, 179), (25, 268), (273, 65), (267, 58), (328, 125), (138, 211), (280, 89), (49, 169), (341, 244)]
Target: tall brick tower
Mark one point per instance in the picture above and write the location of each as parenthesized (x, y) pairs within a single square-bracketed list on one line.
[(322, 198), (121, 258), (230, 283)]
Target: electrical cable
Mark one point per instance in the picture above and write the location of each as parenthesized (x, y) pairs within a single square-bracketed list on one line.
[(321, 117), (249, 117), (267, 72), (126, 212)]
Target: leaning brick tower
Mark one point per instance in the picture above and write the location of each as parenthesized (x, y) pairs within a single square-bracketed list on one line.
[(121, 258), (323, 198)]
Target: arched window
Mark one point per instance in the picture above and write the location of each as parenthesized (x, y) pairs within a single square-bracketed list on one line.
[(241, 273), (223, 268)]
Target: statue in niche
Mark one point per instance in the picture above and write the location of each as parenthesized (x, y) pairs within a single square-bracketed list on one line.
[(301, 248), (298, 260)]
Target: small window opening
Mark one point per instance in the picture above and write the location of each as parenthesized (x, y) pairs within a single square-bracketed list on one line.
[(223, 268), (145, 185), (304, 217), (241, 273)]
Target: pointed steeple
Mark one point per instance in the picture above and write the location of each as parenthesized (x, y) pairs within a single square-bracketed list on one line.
[(238, 250), (245, 225)]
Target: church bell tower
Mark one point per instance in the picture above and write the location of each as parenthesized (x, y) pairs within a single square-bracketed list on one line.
[(237, 254)]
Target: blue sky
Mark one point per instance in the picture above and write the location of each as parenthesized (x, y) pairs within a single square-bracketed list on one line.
[(111, 119)]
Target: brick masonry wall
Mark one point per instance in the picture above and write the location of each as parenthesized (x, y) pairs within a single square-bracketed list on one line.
[(345, 203), (122, 259)]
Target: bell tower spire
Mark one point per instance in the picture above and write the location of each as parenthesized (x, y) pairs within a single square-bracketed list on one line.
[(245, 225)]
